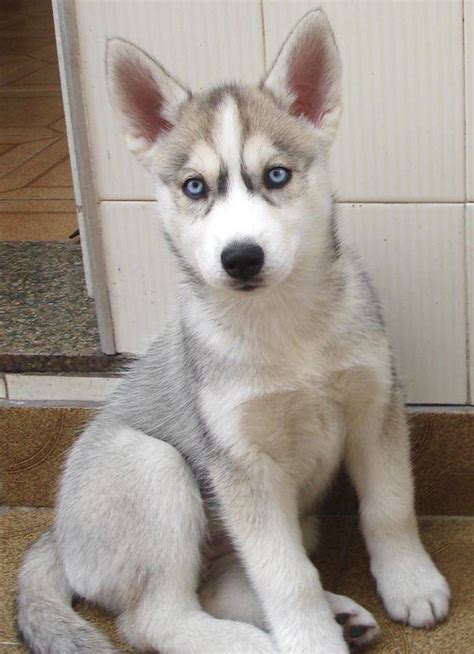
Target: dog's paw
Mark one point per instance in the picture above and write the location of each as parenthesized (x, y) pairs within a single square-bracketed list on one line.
[(360, 631), (359, 626), (413, 590)]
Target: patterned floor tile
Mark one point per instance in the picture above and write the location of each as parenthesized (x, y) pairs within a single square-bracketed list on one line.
[(451, 544), (34, 157)]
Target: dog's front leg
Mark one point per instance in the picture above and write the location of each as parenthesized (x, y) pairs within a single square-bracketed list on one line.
[(378, 460), (259, 509)]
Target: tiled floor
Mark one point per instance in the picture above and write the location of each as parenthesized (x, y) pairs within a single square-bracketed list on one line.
[(344, 569), (35, 441), (37, 200)]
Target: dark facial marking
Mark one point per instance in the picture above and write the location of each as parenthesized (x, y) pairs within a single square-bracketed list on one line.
[(222, 181), (268, 199), (191, 275), (333, 231), (209, 207), (247, 180)]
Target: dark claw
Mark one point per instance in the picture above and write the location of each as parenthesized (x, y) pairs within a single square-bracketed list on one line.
[(357, 630), (342, 618)]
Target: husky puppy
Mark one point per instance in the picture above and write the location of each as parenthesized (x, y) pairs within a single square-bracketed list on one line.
[(186, 505)]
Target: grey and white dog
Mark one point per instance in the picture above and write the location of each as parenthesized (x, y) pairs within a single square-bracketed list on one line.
[(186, 506)]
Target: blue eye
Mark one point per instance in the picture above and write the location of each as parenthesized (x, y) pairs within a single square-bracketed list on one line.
[(195, 188), (276, 177)]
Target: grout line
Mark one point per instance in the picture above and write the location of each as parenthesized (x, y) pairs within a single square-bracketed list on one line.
[(9, 642), (50, 404), (350, 517), (52, 140), (30, 183), (439, 408), (9, 402), (466, 252), (447, 518), (390, 202), (5, 87), (26, 509), (264, 44), (464, 91), (467, 308), (420, 516), (380, 202)]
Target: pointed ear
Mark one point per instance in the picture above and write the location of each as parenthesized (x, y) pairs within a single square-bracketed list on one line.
[(306, 76), (146, 97)]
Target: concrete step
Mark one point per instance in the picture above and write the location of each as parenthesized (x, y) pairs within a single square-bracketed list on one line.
[(34, 442)]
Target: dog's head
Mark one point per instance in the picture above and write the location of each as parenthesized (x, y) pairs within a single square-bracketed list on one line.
[(241, 173)]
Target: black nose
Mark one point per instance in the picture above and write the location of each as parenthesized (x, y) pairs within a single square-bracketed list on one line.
[(242, 261)]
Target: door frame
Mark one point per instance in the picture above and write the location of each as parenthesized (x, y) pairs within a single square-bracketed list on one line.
[(87, 204)]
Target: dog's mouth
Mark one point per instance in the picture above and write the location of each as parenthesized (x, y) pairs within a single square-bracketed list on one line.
[(248, 287)]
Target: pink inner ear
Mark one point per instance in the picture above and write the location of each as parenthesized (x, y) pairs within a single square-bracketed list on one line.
[(309, 80), (143, 101)]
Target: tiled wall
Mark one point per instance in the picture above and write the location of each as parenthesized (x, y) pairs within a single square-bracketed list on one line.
[(403, 161)]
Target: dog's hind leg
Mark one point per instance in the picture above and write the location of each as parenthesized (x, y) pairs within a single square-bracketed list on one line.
[(227, 594), (138, 551)]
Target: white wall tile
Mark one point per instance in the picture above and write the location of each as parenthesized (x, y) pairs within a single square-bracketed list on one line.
[(401, 140), (470, 289), (469, 74), (415, 255), (141, 272), (59, 387), (402, 132), (201, 42)]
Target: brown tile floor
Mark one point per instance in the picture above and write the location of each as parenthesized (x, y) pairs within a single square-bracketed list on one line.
[(342, 562), (37, 200)]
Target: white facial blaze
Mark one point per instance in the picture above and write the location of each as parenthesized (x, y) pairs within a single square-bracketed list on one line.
[(239, 216), (227, 138)]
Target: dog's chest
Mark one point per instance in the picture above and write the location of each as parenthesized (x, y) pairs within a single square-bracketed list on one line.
[(290, 411), (301, 432)]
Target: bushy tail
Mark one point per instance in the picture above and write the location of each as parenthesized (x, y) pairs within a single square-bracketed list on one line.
[(45, 618)]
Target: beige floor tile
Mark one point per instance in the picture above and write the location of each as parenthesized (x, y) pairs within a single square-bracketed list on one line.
[(20, 529), (23, 112), (14, 71), (58, 176), (42, 205), (11, 161), (33, 443), (36, 193), (35, 167), (34, 157), (451, 543), (17, 135), (46, 74), (36, 226)]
